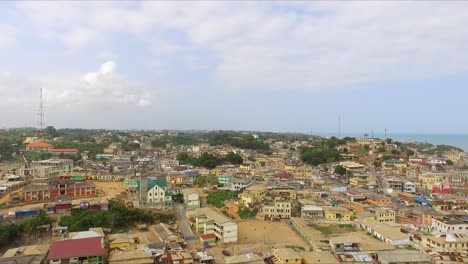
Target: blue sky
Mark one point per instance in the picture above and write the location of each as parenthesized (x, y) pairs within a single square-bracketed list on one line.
[(276, 66)]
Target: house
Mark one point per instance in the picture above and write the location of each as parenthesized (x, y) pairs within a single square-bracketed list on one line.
[(286, 256), (224, 179), (394, 164), (336, 213), (85, 250), (387, 232), (452, 242), (136, 254), (244, 259), (384, 215), (450, 224), (345, 243), (177, 179), (209, 221), (408, 187), (120, 241), (324, 257), (276, 209), (104, 156), (154, 191), (191, 198), (403, 257), (253, 194), (39, 147), (165, 235), (238, 184), (312, 212), (377, 199), (67, 151), (169, 163)]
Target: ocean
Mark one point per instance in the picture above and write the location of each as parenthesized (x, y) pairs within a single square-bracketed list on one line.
[(456, 140)]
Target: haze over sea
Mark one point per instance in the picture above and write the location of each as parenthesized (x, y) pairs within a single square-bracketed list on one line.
[(456, 140)]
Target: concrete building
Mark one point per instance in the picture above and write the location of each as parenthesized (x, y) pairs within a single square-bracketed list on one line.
[(277, 209), (336, 213), (450, 224), (403, 257), (387, 232), (312, 212), (253, 194), (48, 168), (154, 191), (209, 221), (191, 199), (385, 215), (408, 187), (286, 256)]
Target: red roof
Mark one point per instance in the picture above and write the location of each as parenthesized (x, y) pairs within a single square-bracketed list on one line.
[(76, 248), (39, 145), (283, 175), (208, 236), (65, 150)]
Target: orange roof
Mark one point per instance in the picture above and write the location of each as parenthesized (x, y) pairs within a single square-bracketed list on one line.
[(39, 145)]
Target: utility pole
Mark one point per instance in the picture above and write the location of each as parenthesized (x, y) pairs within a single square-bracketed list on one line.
[(339, 126), (40, 114)]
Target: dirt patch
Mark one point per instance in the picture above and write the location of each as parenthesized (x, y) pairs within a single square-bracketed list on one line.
[(231, 208), (268, 233)]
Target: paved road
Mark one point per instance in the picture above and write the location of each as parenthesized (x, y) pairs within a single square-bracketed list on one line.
[(184, 225)]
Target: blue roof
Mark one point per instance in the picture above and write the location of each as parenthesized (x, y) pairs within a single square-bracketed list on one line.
[(423, 200), (192, 173)]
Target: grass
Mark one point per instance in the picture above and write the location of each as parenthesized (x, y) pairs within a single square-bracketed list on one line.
[(217, 198), (331, 229), (296, 248)]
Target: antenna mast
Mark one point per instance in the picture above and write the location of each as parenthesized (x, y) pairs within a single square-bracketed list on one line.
[(40, 114), (339, 126)]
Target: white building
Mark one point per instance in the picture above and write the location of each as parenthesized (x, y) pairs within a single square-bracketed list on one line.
[(191, 198), (153, 191), (312, 212), (209, 221), (408, 187), (455, 224)]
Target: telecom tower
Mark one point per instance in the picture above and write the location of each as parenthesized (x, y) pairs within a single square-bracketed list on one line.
[(40, 114)]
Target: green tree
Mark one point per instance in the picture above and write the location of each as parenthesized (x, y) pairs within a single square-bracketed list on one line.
[(179, 198), (340, 170), (51, 132), (449, 162), (233, 158)]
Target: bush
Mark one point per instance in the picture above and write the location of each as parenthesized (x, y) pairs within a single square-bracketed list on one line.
[(217, 198)]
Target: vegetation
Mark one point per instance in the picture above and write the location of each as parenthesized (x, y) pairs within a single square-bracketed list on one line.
[(204, 180), (340, 170), (217, 198), (209, 161), (439, 149), (237, 140), (28, 226), (324, 153), (246, 213), (117, 217)]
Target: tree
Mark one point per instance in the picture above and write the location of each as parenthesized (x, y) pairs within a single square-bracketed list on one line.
[(233, 158), (409, 152), (51, 131), (340, 170), (183, 157), (449, 162), (179, 198)]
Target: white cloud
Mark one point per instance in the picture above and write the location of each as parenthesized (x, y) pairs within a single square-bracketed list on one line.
[(102, 90), (282, 45)]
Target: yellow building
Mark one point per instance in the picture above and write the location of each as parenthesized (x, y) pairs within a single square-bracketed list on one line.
[(357, 182), (303, 171), (253, 194), (286, 256), (121, 240), (394, 163), (278, 208), (385, 215), (336, 213), (451, 241)]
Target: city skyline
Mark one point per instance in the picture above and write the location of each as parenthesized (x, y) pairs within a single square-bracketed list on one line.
[(268, 66)]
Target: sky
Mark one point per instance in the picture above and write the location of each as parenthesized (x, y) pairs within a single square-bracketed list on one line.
[(268, 66)]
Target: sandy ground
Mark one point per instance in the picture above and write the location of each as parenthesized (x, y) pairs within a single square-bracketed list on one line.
[(232, 209), (260, 236)]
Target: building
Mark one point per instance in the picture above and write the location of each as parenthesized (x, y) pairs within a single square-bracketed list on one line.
[(286, 256), (178, 179), (394, 164), (224, 179), (191, 199), (458, 241), (238, 184), (317, 257), (316, 240), (169, 163), (378, 200), (312, 212), (39, 147), (387, 232), (450, 224), (384, 215), (85, 250), (408, 187), (56, 187), (357, 182), (64, 151), (277, 209), (345, 244), (244, 259), (253, 194), (121, 160), (120, 240), (209, 221), (403, 257), (336, 213), (49, 168), (154, 191)]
